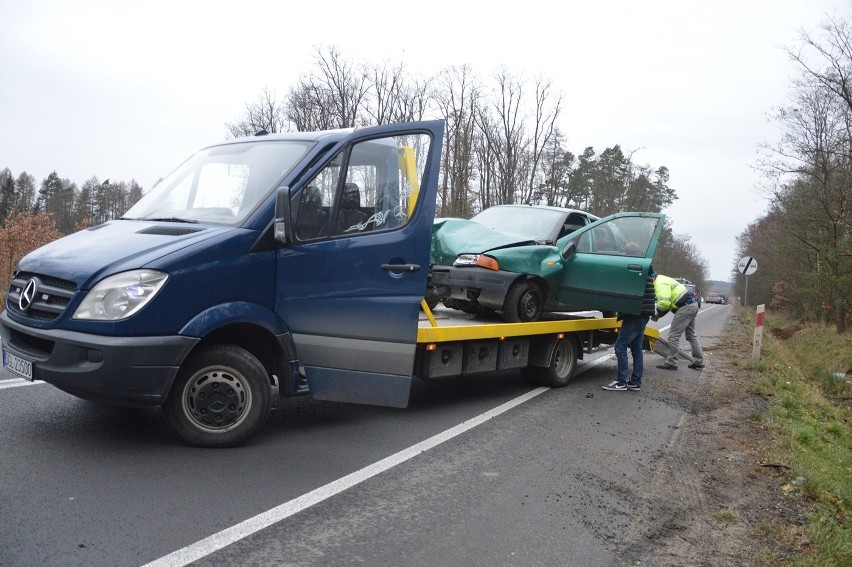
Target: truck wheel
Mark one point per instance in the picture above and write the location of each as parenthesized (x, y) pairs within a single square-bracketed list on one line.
[(563, 361), (523, 303), (220, 397)]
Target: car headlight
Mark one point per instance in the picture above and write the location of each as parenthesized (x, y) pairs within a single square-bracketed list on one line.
[(480, 260), (121, 295)]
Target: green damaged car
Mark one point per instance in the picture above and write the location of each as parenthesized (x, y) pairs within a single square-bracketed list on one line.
[(523, 261)]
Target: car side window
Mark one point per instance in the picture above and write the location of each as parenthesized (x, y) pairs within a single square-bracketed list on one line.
[(622, 236), (573, 222)]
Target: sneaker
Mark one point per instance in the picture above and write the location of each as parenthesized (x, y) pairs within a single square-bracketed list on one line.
[(696, 366), (631, 385), (616, 386), (667, 366)]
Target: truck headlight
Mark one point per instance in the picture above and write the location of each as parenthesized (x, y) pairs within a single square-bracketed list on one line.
[(121, 295)]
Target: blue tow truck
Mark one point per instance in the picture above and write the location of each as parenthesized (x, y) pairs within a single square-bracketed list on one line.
[(297, 261)]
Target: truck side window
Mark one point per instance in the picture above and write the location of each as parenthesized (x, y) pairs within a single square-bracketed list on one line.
[(373, 187), (316, 202), (313, 217)]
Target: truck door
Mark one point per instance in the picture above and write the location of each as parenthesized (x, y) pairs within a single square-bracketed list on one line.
[(606, 263), (351, 278)]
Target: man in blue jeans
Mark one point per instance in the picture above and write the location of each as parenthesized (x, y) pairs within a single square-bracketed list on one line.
[(632, 336)]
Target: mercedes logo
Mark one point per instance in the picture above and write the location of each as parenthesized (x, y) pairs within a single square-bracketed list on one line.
[(28, 295)]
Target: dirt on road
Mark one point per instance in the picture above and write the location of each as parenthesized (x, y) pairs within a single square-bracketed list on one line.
[(714, 497)]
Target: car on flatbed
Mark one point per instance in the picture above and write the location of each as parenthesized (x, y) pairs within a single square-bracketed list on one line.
[(523, 261)]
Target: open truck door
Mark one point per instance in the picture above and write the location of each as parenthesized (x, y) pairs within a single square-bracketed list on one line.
[(357, 230), (607, 262)]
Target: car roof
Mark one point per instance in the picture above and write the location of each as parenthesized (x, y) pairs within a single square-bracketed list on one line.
[(544, 208)]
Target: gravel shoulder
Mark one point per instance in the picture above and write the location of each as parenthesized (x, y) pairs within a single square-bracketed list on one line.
[(712, 498)]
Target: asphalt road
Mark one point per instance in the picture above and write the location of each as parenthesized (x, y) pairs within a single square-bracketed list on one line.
[(457, 478)]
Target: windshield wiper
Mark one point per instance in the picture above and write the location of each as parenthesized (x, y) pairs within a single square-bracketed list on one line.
[(170, 219)]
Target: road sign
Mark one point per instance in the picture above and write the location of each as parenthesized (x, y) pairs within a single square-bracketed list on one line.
[(747, 265)]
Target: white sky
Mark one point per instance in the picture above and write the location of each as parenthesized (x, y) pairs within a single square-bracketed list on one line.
[(127, 90)]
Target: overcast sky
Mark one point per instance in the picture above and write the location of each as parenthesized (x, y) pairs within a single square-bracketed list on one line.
[(127, 90)]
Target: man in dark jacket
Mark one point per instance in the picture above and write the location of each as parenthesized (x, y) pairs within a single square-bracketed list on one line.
[(632, 335)]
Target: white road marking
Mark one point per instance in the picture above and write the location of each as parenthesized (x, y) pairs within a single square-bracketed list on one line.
[(222, 539), (17, 382)]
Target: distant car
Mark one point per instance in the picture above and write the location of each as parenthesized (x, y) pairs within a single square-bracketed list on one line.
[(692, 289), (724, 299), (714, 298), (523, 261)]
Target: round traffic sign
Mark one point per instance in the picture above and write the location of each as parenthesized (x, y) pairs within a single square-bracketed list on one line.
[(747, 265)]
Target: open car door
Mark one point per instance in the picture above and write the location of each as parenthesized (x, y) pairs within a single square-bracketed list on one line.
[(606, 263), (353, 272)]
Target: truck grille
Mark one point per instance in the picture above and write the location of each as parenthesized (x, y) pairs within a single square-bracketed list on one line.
[(50, 299)]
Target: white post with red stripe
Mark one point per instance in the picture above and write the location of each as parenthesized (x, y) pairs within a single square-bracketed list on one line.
[(758, 332)]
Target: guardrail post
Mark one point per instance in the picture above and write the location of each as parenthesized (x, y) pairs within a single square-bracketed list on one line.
[(758, 332)]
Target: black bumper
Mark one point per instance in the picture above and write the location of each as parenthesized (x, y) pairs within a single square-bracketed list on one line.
[(132, 371), (481, 285)]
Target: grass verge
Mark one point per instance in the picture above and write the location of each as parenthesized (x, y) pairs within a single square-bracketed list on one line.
[(805, 372)]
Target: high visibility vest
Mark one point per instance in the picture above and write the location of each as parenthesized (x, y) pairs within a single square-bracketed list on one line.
[(670, 293)]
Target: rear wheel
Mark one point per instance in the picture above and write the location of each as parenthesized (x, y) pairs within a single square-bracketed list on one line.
[(523, 303), (220, 397), (563, 361)]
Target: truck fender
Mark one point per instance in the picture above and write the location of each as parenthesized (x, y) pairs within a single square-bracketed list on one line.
[(226, 314)]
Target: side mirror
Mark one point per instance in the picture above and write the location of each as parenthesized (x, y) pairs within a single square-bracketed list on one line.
[(282, 228), (570, 246)]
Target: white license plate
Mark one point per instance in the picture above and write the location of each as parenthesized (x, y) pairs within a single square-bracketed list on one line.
[(18, 366)]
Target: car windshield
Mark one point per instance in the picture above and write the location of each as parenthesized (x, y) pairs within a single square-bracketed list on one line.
[(528, 222), (220, 184)]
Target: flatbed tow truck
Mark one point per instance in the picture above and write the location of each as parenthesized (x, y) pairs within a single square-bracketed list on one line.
[(452, 344), (293, 262)]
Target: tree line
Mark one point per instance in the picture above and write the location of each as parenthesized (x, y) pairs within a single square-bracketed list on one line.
[(67, 204), (502, 145), (502, 142), (803, 243)]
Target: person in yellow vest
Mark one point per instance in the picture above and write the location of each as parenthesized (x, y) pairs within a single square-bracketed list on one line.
[(673, 296)]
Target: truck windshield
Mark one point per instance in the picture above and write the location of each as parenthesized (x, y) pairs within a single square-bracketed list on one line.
[(220, 184)]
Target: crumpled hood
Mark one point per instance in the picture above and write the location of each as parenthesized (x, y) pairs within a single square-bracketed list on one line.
[(85, 256), (452, 236)]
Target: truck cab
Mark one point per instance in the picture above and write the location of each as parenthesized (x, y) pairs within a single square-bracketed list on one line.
[(297, 260)]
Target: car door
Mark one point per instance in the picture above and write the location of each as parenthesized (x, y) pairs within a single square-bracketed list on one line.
[(351, 278), (605, 265)]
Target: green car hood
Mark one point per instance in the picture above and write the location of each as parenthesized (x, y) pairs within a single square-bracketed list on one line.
[(451, 237)]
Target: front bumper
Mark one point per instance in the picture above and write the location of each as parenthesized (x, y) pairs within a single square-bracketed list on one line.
[(132, 371), (486, 287)]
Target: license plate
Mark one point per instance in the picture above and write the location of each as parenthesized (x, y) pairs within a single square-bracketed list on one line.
[(18, 366)]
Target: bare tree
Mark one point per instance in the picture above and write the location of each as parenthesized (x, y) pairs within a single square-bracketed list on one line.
[(265, 114), (811, 169), (457, 95), (394, 97), (547, 111), (502, 124)]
